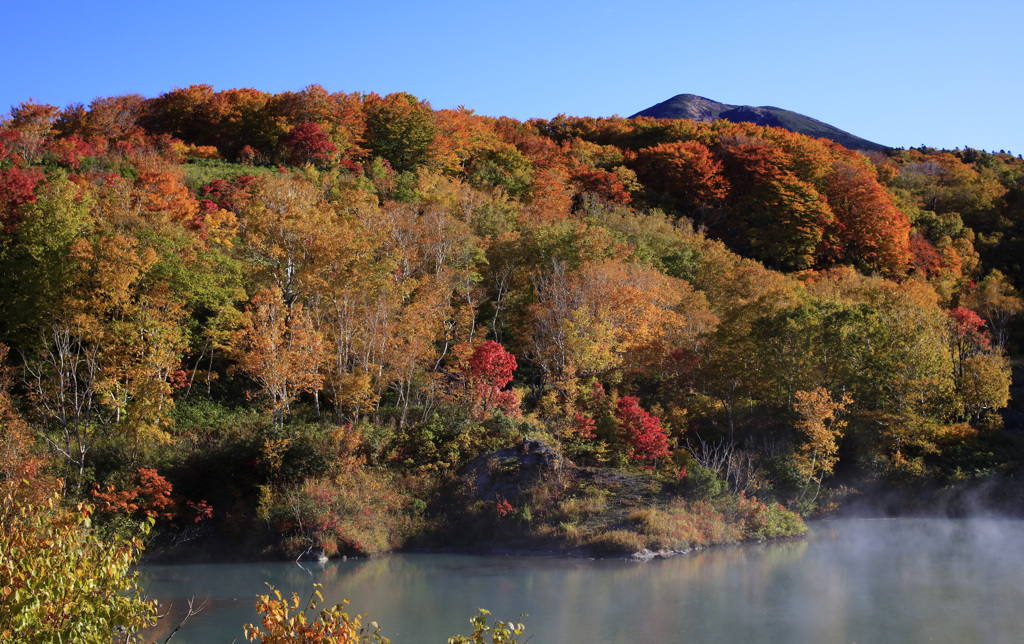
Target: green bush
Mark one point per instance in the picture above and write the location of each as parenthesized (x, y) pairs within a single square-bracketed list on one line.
[(450, 440), (767, 520), (200, 172), (500, 633), (702, 483)]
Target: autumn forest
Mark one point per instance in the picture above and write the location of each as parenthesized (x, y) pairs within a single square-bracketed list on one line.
[(287, 323)]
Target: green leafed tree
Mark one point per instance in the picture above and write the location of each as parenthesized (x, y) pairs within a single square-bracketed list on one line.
[(400, 128)]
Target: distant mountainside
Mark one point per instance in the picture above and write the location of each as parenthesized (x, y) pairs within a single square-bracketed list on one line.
[(698, 108)]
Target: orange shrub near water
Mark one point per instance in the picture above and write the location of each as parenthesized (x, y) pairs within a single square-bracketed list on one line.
[(684, 525), (361, 511)]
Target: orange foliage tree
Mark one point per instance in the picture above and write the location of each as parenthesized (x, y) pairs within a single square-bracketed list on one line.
[(875, 234), (279, 349), (687, 171), (22, 466)]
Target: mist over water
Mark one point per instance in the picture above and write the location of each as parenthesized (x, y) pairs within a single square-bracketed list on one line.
[(853, 580)]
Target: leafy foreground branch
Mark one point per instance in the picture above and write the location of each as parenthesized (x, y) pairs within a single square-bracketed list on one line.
[(283, 622), (61, 582)]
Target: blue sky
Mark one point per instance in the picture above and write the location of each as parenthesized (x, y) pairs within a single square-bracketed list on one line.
[(901, 73)]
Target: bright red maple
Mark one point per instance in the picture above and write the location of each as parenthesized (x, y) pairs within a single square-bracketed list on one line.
[(968, 328), (17, 187), (490, 370), (308, 143), (643, 432)]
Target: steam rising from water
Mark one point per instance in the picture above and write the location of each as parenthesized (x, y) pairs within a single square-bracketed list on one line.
[(914, 580)]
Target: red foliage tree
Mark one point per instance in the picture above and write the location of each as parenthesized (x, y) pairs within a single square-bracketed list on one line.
[(490, 369), (9, 140), (308, 143), (926, 259), (17, 187), (228, 195), (584, 426), (151, 497), (971, 349), (642, 431), (69, 150), (968, 330)]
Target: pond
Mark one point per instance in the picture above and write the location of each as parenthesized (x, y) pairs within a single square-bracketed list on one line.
[(856, 580)]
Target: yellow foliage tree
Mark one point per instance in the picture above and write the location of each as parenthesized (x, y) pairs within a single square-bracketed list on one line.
[(820, 424)]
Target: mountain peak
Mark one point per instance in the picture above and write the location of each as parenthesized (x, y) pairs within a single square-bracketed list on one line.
[(699, 108)]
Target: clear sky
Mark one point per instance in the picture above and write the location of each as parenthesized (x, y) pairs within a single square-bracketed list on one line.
[(898, 72)]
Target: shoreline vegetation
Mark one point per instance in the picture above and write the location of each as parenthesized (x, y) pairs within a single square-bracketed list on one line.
[(315, 324), (525, 500)]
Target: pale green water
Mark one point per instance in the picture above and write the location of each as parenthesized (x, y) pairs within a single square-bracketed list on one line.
[(864, 581)]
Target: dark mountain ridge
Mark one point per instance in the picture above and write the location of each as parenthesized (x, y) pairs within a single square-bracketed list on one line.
[(698, 108)]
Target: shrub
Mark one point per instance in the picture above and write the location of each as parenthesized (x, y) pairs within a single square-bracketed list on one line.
[(284, 622), (684, 525), (767, 521), (150, 496), (448, 441), (702, 483), (580, 507), (642, 431), (362, 511), (617, 542)]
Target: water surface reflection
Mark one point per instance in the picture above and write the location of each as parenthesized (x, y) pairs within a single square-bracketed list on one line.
[(850, 581)]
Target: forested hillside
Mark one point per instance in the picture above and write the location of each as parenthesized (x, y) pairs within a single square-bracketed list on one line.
[(303, 312)]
